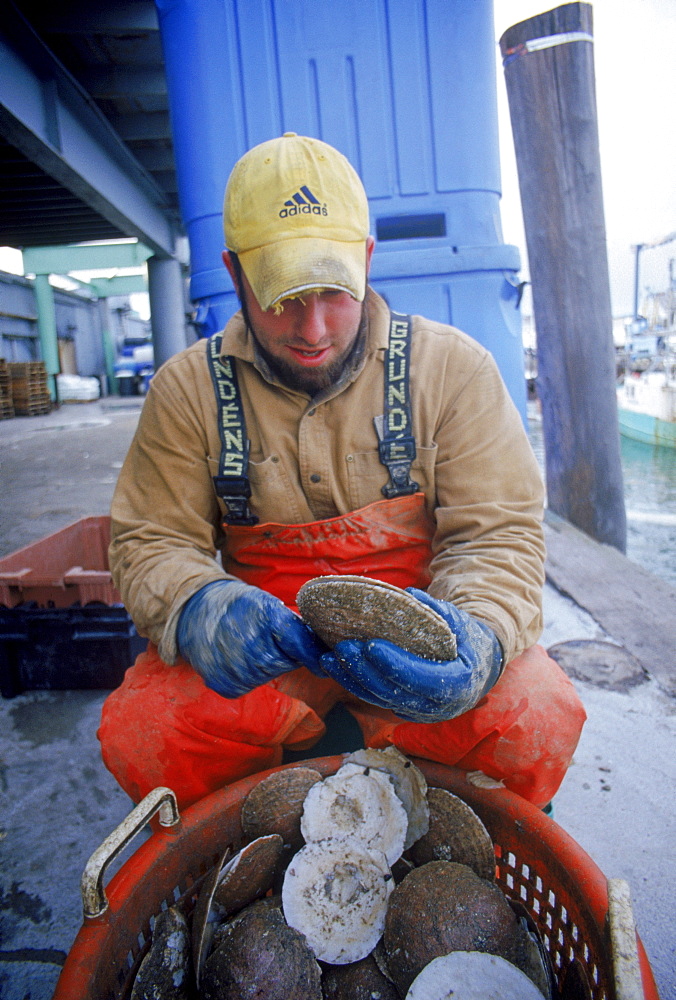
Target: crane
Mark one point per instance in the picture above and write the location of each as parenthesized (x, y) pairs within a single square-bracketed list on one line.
[(637, 248)]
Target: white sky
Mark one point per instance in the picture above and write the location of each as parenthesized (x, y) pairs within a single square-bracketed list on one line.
[(635, 64), (635, 68)]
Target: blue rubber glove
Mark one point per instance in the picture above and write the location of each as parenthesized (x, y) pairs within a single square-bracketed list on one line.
[(416, 689), (238, 637)]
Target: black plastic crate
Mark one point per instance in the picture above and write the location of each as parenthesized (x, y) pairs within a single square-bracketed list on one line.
[(60, 649)]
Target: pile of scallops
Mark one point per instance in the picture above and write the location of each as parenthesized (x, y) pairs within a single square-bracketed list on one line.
[(364, 885)]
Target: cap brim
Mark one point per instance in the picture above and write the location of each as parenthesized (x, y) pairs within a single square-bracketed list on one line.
[(290, 267)]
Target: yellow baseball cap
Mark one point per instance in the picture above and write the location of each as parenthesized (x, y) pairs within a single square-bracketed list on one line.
[(296, 214)]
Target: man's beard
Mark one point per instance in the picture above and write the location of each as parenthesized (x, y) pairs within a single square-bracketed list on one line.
[(312, 380)]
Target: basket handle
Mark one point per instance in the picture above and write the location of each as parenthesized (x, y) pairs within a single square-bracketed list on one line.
[(94, 899), (623, 946)]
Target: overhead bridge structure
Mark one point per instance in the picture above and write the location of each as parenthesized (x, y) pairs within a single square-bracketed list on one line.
[(123, 120)]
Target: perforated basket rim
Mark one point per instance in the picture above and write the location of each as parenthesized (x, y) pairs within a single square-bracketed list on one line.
[(537, 865)]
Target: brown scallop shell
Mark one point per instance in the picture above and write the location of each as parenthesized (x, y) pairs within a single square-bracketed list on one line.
[(230, 886), (356, 607), (275, 804), (202, 926), (455, 834), (166, 970), (443, 907), (360, 980), (260, 955), (249, 875), (530, 954)]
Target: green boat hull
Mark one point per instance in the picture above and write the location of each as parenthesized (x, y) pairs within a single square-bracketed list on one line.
[(650, 430)]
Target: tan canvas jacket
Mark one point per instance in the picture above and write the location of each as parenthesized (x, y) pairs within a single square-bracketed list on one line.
[(314, 460)]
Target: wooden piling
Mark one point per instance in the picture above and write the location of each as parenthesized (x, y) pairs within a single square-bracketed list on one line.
[(549, 71)]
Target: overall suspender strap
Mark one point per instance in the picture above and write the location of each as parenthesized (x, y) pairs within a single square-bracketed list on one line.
[(397, 444), (232, 483), (396, 447)]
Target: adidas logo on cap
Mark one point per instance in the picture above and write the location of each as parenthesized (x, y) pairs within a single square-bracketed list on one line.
[(303, 202)]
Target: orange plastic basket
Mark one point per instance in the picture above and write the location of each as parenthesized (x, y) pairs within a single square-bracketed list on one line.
[(538, 865)]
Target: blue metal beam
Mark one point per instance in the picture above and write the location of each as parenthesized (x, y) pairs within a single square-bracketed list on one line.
[(47, 116), (129, 284), (83, 16), (87, 257)]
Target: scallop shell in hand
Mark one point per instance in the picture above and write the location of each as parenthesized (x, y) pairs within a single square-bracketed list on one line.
[(356, 607)]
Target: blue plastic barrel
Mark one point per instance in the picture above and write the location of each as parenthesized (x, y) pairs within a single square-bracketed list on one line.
[(407, 91)]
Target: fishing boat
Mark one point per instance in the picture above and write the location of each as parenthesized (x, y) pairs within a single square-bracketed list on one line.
[(646, 398), (646, 401)]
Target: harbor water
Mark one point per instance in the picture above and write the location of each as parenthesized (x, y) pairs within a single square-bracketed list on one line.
[(650, 500)]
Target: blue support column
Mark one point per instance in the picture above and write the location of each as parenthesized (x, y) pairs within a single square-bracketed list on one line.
[(167, 308), (44, 297), (108, 347)]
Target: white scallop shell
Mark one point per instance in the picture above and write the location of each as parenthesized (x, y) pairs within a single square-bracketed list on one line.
[(472, 975), (358, 804), (336, 895), (409, 784)]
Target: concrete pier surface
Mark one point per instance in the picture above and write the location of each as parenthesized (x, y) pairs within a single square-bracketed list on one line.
[(611, 625)]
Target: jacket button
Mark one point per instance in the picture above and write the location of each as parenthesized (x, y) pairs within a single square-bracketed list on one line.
[(315, 478)]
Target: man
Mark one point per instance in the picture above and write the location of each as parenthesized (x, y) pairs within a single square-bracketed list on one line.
[(320, 434)]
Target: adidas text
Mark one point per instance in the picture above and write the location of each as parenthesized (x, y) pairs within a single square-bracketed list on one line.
[(303, 210)]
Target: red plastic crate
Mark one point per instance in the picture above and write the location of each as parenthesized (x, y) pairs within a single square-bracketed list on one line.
[(62, 623), (65, 568)]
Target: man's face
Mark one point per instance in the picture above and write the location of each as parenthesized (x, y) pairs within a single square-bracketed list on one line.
[(308, 343)]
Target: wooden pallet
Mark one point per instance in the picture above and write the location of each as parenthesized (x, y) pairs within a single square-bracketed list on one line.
[(22, 369), (33, 409), (6, 402), (37, 378), (28, 392), (28, 389)]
